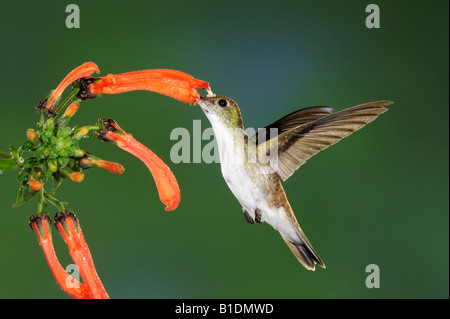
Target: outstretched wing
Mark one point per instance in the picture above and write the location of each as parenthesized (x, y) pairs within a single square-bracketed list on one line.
[(297, 145), (291, 121)]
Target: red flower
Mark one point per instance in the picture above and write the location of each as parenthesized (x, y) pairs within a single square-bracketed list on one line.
[(69, 228), (176, 84), (83, 70), (31, 134), (40, 224), (35, 184), (166, 183), (91, 161)]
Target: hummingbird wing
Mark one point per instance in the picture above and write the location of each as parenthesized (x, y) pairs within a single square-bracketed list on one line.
[(297, 145), (291, 121)]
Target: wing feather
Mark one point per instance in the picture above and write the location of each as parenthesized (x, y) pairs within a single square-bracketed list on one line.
[(290, 121), (298, 144)]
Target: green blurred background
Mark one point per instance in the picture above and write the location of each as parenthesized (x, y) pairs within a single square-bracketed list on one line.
[(380, 196)]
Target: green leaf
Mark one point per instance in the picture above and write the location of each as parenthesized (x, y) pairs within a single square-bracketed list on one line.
[(47, 136), (14, 151), (27, 146), (50, 125), (63, 161), (5, 155), (28, 193), (48, 150), (16, 154), (46, 170), (78, 153), (19, 200), (57, 180), (69, 151), (8, 164), (63, 132), (54, 153), (53, 165), (64, 153), (25, 194), (52, 200), (40, 151), (30, 163)]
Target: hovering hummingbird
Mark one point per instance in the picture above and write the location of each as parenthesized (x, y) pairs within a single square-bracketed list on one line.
[(299, 135)]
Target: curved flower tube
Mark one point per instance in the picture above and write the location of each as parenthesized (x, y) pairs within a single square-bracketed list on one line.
[(40, 224), (69, 228), (166, 183), (86, 69), (176, 84)]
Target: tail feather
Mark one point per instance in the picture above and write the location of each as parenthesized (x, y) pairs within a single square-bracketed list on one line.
[(305, 254)]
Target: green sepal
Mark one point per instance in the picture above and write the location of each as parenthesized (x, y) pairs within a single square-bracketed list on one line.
[(53, 165), (63, 161), (49, 125), (40, 151), (55, 202), (54, 153), (78, 152), (25, 194), (63, 132), (17, 154), (28, 146), (5, 155), (8, 164), (47, 136), (57, 180)]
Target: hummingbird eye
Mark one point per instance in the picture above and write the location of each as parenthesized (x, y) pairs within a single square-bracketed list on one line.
[(223, 102)]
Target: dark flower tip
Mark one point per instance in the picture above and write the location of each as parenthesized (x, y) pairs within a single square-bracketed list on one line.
[(60, 217), (41, 105), (107, 125), (85, 93), (35, 222)]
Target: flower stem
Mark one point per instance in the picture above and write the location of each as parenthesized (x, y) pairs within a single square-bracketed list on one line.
[(5, 155), (54, 201), (41, 200), (69, 98), (8, 164)]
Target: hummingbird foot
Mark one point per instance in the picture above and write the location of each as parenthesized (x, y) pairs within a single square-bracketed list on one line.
[(257, 215), (248, 218)]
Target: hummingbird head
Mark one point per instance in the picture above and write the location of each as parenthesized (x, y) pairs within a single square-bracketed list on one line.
[(222, 110)]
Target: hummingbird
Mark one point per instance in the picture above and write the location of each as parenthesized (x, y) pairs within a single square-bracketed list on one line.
[(253, 167)]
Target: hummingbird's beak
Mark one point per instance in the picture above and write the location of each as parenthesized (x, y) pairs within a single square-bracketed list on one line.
[(204, 103), (210, 92)]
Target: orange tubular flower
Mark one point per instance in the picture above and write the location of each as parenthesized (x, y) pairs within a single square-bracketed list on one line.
[(166, 183), (86, 69), (176, 84), (112, 167), (69, 228), (76, 176), (31, 134), (71, 109), (35, 184), (40, 224)]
